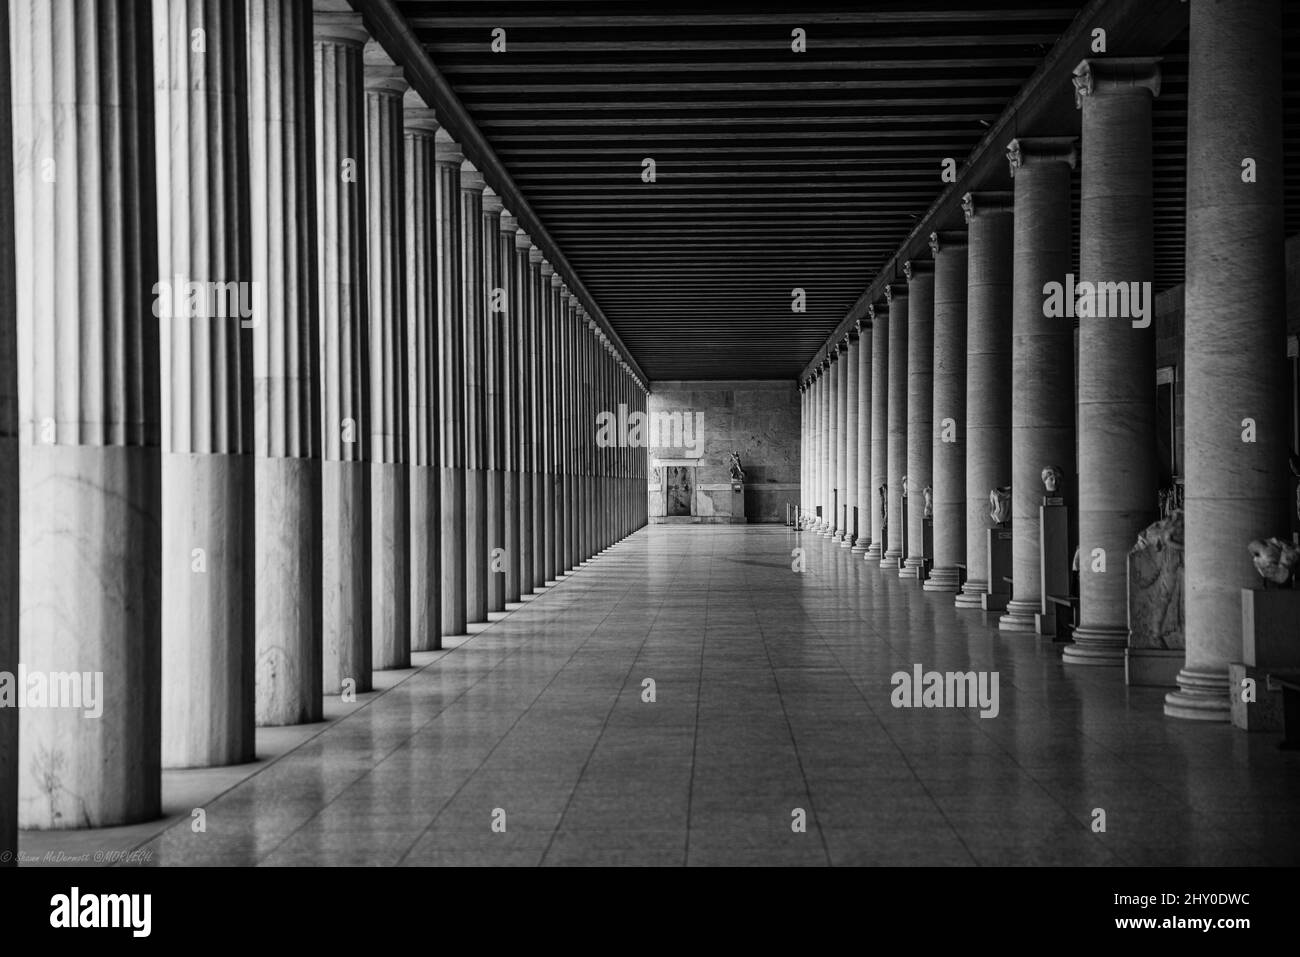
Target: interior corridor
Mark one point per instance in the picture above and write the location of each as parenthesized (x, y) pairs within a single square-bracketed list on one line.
[(772, 693)]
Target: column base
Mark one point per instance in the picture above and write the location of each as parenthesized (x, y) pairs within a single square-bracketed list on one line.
[(874, 552), (943, 579), (846, 541), (911, 568), (1020, 617), (1097, 646), (1201, 696), (862, 545), (891, 559)]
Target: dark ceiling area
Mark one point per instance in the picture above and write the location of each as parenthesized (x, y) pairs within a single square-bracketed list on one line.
[(775, 170)]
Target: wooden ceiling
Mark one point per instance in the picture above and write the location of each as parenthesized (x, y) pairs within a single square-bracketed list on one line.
[(774, 169)]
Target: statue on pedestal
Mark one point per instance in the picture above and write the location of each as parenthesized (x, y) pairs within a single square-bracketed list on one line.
[(1052, 476), (1000, 505), (929, 501)]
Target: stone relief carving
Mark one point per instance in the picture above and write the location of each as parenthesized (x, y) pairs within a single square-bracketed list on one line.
[(1000, 505), (1155, 585)]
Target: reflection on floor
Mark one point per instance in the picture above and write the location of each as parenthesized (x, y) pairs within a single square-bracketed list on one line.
[(533, 743)]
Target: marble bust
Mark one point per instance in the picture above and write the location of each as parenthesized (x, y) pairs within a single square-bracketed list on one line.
[(1052, 475)]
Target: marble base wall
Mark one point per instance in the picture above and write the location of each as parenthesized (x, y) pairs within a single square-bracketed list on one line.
[(390, 571), (452, 515), (346, 595), (89, 602), (426, 559), (287, 586), (209, 637), (476, 545)]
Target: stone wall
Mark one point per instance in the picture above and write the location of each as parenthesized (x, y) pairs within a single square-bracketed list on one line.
[(759, 419)]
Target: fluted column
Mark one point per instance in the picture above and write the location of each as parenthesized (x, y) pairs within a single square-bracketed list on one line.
[(833, 443), (1042, 360), (861, 481), (8, 470), (948, 414), (390, 488), (494, 327), (86, 260), (524, 378), (508, 325), (851, 446), (989, 261), (345, 348), (1117, 401), (575, 432), (201, 139), (538, 289), (422, 396), (920, 407), (803, 449), (879, 427), (286, 363), (847, 367), (1236, 490), (814, 447), (546, 425), (824, 435), (474, 308), (451, 381), (896, 294)]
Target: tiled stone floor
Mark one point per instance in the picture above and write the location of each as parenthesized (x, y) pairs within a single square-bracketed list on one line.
[(772, 693)]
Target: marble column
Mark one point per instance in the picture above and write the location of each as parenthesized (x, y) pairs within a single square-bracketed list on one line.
[(85, 260), (451, 381), (1042, 359), (863, 496), (1237, 490), (1118, 479), (345, 349), (824, 435), (879, 426), (559, 309), (286, 364), (803, 450), (948, 413), (833, 443), (575, 432), (524, 378), (846, 367), (201, 141), (390, 474), (989, 222), (896, 294), (851, 446), (546, 431), (8, 471), (422, 397), (508, 323), (920, 407), (494, 327), (538, 289), (814, 447), (474, 306)]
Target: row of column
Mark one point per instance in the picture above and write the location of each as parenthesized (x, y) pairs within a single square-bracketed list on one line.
[(295, 395), (964, 378)]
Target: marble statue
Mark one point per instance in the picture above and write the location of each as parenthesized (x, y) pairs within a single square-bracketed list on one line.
[(1170, 500), (884, 504), (1000, 505), (929, 501), (1052, 475), (1275, 560), (737, 473), (1295, 470), (904, 486), (1155, 585)]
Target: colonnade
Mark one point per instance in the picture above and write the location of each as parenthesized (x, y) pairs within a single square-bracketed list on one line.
[(293, 394), (970, 384)]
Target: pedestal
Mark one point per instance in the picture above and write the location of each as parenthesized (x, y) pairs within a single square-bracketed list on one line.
[(999, 565), (1054, 561), (1270, 642), (738, 503)]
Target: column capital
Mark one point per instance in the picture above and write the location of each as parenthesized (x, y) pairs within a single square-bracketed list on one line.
[(573, 300), (471, 180), (334, 21), (382, 75), (999, 201), (556, 281), (1119, 74), (859, 327), (895, 290), (946, 240), (491, 201), (446, 150), (548, 271), (918, 267), (873, 308), (591, 323), (853, 333), (564, 293), (508, 222), (417, 114), (534, 255), (522, 240), (1027, 151)]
